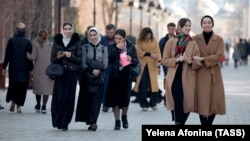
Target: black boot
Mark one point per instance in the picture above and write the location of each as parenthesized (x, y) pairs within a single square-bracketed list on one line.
[(203, 120), (211, 119), (92, 127), (117, 124), (124, 121)]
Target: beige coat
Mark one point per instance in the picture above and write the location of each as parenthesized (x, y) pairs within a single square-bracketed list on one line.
[(188, 73), (142, 48), (210, 98), (42, 84)]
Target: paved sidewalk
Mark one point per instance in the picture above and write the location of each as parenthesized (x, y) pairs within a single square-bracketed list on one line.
[(30, 126)]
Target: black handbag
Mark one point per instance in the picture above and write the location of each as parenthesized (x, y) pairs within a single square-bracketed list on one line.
[(94, 82), (94, 64), (135, 71), (54, 70)]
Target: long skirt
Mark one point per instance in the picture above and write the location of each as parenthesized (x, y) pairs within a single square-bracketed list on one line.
[(89, 103), (17, 92), (63, 99)]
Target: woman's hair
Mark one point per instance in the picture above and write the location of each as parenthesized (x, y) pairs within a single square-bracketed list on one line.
[(42, 36), (181, 23), (207, 16), (144, 32), (121, 32)]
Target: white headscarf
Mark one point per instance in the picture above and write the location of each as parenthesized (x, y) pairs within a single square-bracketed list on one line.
[(98, 34), (66, 39)]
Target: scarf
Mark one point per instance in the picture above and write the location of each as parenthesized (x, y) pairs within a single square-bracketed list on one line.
[(182, 42), (66, 40)]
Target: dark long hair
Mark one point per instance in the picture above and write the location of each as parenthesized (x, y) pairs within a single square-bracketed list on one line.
[(144, 32)]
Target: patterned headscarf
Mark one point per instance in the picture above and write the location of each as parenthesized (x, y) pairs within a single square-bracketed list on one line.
[(182, 40)]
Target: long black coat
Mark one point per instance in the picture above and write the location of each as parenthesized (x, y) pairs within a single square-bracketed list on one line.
[(120, 81), (15, 57), (63, 99)]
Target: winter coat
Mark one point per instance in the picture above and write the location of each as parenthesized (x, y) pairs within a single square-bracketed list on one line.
[(15, 57), (188, 73), (210, 95), (114, 58), (42, 84), (142, 48), (75, 61)]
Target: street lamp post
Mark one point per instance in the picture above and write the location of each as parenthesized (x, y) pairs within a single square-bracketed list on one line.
[(141, 8), (130, 4), (59, 16), (116, 11), (94, 13), (158, 16), (142, 4), (150, 7)]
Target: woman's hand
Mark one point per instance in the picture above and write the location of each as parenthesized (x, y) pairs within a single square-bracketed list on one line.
[(60, 54), (96, 72), (180, 59), (129, 58), (67, 54), (154, 55)]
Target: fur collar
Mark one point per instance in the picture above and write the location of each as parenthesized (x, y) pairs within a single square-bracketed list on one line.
[(75, 38)]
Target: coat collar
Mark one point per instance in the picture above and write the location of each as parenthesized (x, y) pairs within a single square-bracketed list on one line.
[(58, 39)]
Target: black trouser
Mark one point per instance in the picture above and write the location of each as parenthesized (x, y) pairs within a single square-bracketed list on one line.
[(143, 91)]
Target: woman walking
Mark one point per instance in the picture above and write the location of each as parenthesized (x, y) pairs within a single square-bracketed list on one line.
[(180, 83), (210, 95), (95, 61), (66, 51), (42, 84), (122, 57), (149, 55)]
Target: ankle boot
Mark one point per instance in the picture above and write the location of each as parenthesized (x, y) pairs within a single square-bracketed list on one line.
[(124, 121), (12, 107), (18, 109), (117, 124), (92, 127)]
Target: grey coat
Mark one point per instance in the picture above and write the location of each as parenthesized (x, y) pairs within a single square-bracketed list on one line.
[(42, 84)]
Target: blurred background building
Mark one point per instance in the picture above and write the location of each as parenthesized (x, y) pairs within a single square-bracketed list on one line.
[(231, 16)]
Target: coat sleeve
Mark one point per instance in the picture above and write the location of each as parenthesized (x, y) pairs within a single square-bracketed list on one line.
[(213, 59), (196, 52), (105, 57), (77, 57), (167, 59), (33, 54), (7, 54), (140, 52)]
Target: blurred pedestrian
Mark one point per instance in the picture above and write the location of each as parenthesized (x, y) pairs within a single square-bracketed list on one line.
[(171, 27), (19, 68), (149, 55), (66, 51), (210, 94), (107, 40), (42, 84), (236, 57)]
